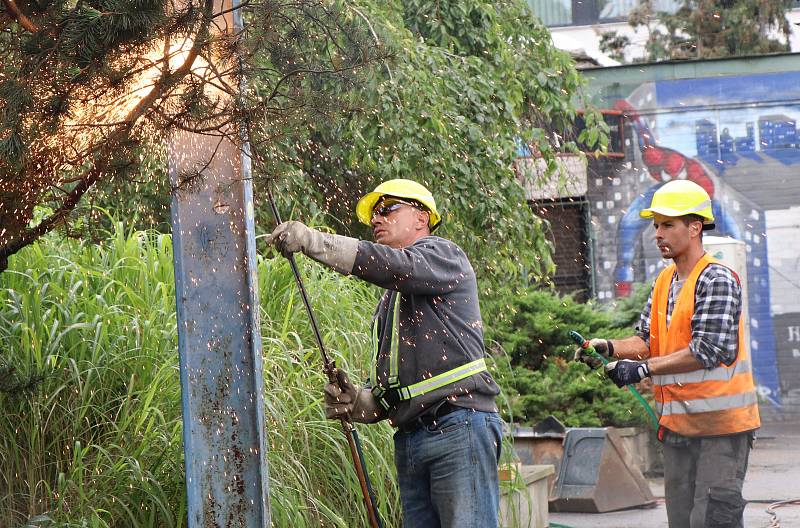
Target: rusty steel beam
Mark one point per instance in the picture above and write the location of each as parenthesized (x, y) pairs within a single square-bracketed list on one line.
[(218, 330)]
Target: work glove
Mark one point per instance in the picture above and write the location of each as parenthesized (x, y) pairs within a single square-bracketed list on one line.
[(343, 399), (601, 346), (335, 251), (626, 371)]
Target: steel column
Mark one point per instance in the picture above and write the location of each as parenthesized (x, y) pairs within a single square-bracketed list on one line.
[(219, 342)]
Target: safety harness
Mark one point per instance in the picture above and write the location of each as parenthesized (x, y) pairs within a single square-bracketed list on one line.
[(390, 395)]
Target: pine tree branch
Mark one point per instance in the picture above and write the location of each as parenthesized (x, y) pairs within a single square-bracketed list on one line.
[(24, 21), (106, 149), (166, 81), (48, 224)]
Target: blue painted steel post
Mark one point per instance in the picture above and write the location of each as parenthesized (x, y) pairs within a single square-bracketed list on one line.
[(218, 330)]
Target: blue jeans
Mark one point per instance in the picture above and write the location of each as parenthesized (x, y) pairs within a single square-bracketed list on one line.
[(448, 471)]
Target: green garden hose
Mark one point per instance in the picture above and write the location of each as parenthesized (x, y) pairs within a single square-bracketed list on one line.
[(584, 343)]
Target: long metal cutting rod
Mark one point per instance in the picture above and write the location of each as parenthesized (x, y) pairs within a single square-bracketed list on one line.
[(329, 367)]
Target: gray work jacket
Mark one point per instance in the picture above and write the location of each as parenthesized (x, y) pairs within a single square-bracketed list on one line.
[(440, 326)]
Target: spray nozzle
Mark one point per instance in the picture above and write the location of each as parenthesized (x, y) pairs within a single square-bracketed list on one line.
[(578, 338)]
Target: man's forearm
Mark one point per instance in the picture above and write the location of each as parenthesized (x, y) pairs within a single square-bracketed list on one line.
[(632, 347), (633, 370), (432, 267), (676, 363)]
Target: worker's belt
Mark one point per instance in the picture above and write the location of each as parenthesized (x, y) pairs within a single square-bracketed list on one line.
[(428, 418), (391, 396)]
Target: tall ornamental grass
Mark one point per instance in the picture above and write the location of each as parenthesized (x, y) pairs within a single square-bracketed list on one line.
[(90, 415)]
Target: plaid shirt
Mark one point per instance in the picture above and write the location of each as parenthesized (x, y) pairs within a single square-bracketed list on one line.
[(715, 323)]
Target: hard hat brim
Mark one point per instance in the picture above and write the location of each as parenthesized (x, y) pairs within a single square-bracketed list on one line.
[(674, 213), (365, 206)]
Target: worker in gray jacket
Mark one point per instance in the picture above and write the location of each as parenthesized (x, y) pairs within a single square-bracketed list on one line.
[(428, 376)]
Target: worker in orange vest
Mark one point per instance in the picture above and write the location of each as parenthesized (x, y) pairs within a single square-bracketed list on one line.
[(690, 342)]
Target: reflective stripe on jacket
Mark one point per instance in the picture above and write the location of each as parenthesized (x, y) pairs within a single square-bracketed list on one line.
[(707, 402), (427, 330), (390, 395)]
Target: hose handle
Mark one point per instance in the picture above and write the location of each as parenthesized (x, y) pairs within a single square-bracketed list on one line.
[(578, 338), (584, 344)]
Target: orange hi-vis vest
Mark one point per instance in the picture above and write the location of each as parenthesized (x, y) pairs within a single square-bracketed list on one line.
[(705, 402)]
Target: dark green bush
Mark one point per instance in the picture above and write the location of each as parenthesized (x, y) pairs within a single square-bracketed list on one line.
[(573, 393), (532, 325), (540, 378), (625, 312)]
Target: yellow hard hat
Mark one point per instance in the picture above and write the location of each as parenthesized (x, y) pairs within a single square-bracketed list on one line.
[(680, 198), (399, 188)]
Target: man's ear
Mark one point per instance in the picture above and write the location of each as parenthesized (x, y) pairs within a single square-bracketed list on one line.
[(423, 219)]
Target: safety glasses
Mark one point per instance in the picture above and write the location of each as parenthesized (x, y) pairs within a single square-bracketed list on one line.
[(387, 207)]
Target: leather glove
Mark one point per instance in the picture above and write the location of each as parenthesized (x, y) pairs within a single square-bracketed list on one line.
[(335, 251), (626, 371), (342, 398), (601, 346)]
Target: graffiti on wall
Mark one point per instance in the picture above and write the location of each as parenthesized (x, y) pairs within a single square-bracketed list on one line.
[(737, 137)]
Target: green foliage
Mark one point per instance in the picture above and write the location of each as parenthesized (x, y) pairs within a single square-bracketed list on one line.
[(143, 199), (532, 326), (13, 383), (90, 417), (575, 394), (89, 92), (704, 29), (339, 97), (625, 312), (614, 44), (99, 432), (464, 82)]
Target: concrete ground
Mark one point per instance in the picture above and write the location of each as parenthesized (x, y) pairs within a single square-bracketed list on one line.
[(773, 474)]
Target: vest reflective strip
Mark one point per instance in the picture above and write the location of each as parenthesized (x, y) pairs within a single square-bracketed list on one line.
[(376, 346), (394, 369), (422, 387), (436, 382), (716, 374), (720, 403)]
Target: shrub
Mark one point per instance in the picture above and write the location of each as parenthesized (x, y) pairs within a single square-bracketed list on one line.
[(533, 325), (540, 378)]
